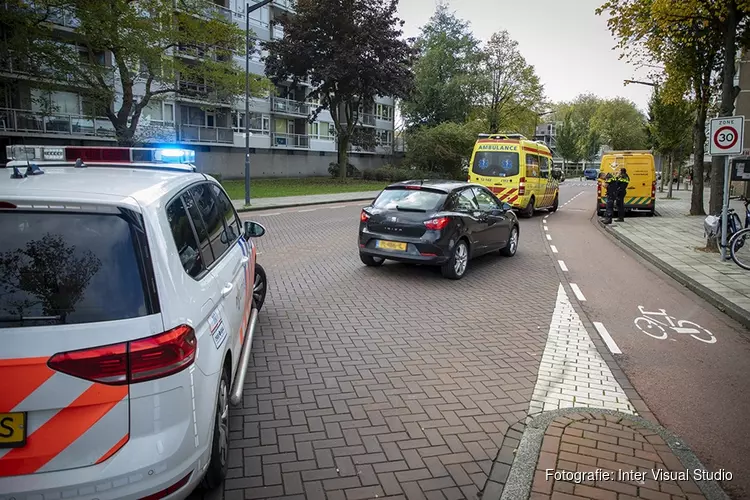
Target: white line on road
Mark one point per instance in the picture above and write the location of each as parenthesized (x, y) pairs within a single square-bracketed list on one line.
[(554, 248), (607, 338), (267, 215), (546, 228), (578, 292), (562, 265), (549, 237), (308, 210)]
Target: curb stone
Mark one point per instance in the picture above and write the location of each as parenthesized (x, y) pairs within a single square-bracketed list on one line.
[(521, 477), (300, 204), (727, 307)]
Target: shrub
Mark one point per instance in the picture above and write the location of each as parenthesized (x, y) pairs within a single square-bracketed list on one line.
[(388, 173), (351, 170)]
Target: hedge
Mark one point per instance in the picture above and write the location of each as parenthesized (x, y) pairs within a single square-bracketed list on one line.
[(395, 174)]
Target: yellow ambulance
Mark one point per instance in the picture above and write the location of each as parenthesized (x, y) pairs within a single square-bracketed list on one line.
[(641, 192), (518, 170)]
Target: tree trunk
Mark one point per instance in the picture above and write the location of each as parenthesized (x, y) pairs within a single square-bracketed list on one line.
[(671, 177), (728, 95), (343, 155), (123, 134), (697, 206), (661, 182)]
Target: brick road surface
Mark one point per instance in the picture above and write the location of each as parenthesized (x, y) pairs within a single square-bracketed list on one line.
[(383, 382)]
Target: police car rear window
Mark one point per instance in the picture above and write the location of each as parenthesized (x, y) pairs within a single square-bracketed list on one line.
[(495, 163), (68, 268)]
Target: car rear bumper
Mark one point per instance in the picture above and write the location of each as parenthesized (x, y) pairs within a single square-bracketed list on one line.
[(421, 251)]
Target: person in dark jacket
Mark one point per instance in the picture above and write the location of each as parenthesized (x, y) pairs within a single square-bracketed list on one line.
[(622, 180), (611, 182)]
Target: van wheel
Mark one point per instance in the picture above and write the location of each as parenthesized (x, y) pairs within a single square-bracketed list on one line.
[(219, 462), (528, 212), (555, 204)]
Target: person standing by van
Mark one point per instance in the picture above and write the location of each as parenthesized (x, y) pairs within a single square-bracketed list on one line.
[(611, 181), (622, 180)]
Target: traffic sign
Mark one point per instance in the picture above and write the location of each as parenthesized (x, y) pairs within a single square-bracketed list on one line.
[(727, 135)]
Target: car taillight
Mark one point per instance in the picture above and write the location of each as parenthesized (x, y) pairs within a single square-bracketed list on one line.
[(6, 204), (598, 189), (364, 216), (522, 186), (653, 189), (437, 223), (131, 362)]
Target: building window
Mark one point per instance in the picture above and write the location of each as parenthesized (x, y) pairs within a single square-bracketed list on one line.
[(259, 123)]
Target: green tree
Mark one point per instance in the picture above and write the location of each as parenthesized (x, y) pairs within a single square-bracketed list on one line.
[(513, 86), (567, 138), (670, 129), (444, 148), (351, 51), (141, 38), (620, 125), (447, 84)]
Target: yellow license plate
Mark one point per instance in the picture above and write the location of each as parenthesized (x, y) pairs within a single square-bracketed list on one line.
[(391, 245), (12, 430)]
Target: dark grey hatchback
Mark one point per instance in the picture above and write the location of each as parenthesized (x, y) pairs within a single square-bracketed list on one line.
[(435, 222)]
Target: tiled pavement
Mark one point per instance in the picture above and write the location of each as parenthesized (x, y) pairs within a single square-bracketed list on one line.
[(599, 456), (382, 382), (674, 241)]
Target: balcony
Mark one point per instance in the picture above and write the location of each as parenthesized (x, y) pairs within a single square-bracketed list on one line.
[(367, 120), (213, 135), (289, 107), (63, 17), (291, 141), (16, 67), (200, 93), (283, 5), (26, 122), (277, 32), (203, 52), (224, 13)]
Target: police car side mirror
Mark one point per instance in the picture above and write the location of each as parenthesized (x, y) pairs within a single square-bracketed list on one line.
[(253, 229)]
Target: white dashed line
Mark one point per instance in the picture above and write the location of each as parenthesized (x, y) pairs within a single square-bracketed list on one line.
[(554, 248), (308, 210), (562, 265), (607, 338), (577, 291), (267, 215), (546, 228), (549, 238)]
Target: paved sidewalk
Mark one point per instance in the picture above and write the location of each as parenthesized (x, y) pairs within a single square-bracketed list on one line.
[(593, 454), (299, 201), (673, 242)]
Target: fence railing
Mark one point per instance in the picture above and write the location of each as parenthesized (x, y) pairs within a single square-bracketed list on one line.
[(289, 106), (34, 122), (197, 133), (297, 141)]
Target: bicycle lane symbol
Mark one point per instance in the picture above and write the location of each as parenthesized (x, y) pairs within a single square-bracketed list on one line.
[(658, 329)]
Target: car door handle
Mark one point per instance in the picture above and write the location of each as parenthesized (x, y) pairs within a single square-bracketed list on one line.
[(227, 288)]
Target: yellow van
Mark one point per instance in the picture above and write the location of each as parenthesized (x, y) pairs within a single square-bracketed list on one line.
[(518, 170), (641, 193)]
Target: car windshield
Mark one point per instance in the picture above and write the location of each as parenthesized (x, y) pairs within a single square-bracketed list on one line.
[(67, 268), (409, 199), (495, 163)]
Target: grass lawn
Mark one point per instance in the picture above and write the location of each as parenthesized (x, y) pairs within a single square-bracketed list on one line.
[(268, 188)]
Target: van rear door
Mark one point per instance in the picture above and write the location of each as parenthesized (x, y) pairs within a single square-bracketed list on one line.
[(642, 175)]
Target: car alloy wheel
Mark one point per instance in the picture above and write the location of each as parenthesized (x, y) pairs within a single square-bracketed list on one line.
[(259, 286), (513, 240), (222, 421), (461, 259)]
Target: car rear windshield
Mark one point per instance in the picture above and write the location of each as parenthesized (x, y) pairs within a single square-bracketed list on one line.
[(69, 268), (495, 163), (409, 199)]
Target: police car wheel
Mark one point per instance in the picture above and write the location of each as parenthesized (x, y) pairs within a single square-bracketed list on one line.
[(260, 285), (218, 465)]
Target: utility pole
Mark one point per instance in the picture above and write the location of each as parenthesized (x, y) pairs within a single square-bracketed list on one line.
[(248, 9)]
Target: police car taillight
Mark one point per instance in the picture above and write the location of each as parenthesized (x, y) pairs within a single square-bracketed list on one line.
[(131, 362)]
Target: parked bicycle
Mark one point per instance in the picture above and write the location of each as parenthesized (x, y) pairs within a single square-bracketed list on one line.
[(712, 224), (738, 239)]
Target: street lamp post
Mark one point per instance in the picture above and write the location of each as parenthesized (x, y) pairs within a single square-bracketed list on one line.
[(248, 9)]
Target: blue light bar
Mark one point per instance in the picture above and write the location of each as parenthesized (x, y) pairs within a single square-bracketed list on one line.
[(174, 155)]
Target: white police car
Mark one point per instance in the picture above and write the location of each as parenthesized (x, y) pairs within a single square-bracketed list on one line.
[(129, 293)]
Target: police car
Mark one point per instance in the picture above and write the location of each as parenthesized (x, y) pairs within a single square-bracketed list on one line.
[(129, 294)]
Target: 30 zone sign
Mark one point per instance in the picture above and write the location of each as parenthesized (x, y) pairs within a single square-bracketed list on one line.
[(727, 135)]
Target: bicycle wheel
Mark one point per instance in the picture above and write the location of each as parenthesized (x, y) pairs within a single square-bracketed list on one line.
[(740, 252), (649, 327), (697, 329)]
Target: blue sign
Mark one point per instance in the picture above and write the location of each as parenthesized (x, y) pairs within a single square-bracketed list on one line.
[(507, 164), (484, 163)]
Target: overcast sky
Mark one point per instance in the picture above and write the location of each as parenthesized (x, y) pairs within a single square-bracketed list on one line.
[(567, 43)]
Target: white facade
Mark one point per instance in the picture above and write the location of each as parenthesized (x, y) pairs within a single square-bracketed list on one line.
[(277, 123)]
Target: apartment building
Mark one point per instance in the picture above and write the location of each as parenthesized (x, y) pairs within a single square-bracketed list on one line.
[(283, 141)]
